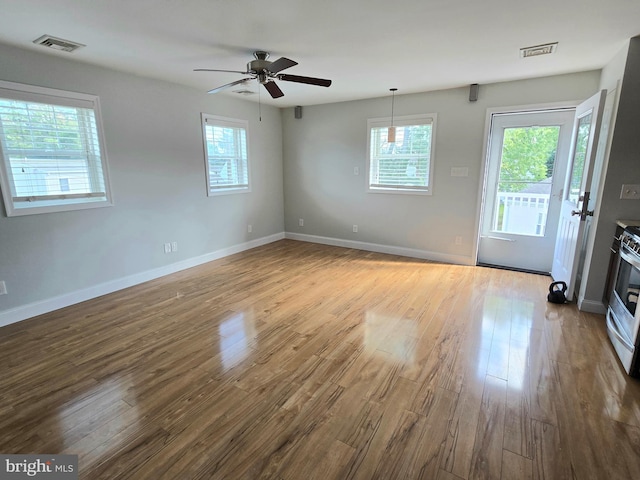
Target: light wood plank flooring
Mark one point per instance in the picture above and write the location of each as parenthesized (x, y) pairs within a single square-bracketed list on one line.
[(303, 361)]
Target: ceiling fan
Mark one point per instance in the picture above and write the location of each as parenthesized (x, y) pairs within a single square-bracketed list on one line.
[(266, 72)]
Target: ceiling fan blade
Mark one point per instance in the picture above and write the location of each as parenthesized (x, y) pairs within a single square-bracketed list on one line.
[(273, 90), (281, 64), (321, 82), (214, 70), (228, 85)]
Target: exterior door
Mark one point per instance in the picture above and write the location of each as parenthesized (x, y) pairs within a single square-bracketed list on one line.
[(525, 172), (575, 201)]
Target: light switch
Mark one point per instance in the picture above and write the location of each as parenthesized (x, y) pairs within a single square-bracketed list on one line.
[(630, 192), (459, 172)]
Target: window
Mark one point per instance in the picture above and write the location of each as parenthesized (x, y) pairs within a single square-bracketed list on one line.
[(406, 165), (52, 155), (226, 157)]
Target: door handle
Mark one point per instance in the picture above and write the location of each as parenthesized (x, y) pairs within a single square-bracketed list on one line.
[(584, 213), (588, 213)]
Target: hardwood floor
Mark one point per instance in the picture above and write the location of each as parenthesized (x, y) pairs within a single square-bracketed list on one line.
[(303, 361)]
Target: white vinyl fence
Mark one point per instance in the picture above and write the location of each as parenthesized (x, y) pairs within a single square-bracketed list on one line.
[(521, 213)]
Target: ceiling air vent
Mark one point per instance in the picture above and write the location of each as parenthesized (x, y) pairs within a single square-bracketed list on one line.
[(538, 50), (58, 43)]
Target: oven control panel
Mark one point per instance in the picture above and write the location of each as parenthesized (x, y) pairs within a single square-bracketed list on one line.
[(631, 241)]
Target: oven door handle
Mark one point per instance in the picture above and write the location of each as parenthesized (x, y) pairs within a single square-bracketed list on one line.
[(629, 258), (613, 328)]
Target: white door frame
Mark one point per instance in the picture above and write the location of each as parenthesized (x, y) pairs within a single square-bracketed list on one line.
[(572, 230), (512, 247), (602, 162), (486, 151)]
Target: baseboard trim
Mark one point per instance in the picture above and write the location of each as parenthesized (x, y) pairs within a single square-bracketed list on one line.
[(592, 306), (378, 248), (24, 312)]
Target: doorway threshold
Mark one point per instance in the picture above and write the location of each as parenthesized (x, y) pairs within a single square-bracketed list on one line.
[(513, 269)]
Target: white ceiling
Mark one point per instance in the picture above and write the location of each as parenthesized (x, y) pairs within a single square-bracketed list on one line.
[(364, 46)]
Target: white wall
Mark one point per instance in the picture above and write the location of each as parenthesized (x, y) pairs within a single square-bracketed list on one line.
[(322, 149), (155, 153)]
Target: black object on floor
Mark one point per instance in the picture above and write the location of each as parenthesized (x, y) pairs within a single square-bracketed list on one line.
[(557, 292)]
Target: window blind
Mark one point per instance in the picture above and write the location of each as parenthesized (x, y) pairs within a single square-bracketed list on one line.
[(404, 164), (52, 151), (226, 154), (51, 156)]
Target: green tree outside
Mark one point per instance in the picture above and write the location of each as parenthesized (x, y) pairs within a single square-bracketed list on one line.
[(406, 161), (36, 126), (528, 156)]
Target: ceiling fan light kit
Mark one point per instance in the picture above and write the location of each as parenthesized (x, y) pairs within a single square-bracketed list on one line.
[(266, 72)]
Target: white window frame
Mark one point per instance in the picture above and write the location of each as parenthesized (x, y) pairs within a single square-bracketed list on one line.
[(15, 205), (406, 120), (244, 167)]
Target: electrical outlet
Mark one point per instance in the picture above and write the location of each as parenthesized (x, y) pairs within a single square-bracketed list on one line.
[(458, 240), (3, 288), (174, 246), (249, 228), (301, 222), (167, 248), (355, 229), (356, 170)]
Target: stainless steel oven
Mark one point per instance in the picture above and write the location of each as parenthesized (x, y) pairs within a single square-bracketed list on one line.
[(623, 316)]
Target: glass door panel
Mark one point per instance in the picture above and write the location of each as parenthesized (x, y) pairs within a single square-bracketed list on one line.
[(525, 178), (577, 167)]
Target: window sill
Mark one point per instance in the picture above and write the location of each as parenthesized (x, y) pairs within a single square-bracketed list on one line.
[(17, 211), (228, 191), (399, 191)]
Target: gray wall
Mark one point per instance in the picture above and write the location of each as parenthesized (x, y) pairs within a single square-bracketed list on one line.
[(300, 169), (322, 149), (623, 165), (155, 154)]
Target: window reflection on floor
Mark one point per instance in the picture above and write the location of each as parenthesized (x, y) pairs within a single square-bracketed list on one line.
[(104, 405), (235, 335), (506, 324), (392, 335)]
